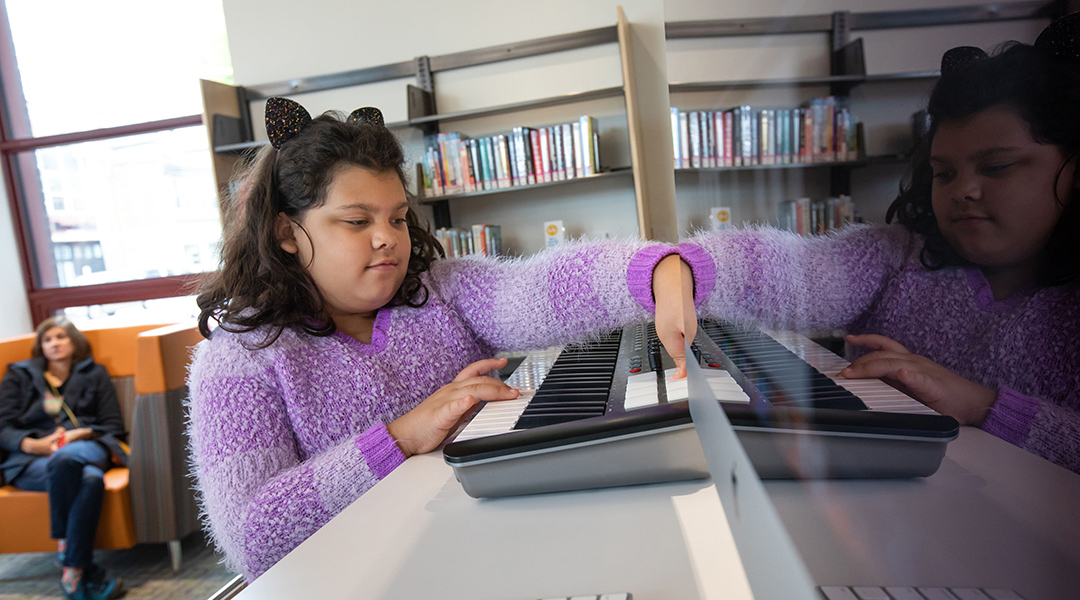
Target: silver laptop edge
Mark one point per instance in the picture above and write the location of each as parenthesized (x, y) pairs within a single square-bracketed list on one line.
[(772, 564)]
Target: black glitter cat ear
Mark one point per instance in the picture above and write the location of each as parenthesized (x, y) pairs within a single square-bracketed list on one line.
[(1061, 38), (369, 115), (284, 119), (960, 58)]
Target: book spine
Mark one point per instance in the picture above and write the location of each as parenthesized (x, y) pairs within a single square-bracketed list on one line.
[(503, 167), (695, 139), (489, 163), (466, 168), (755, 139), (579, 151), (588, 141), (438, 177), (684, 139), (555, 135), (729, 157), (596, 149), (808, 135), (530, 171), (718, 128), (708, 155), (567, 135), (675, 137), (545, 156), (747, 131), (765, 139), (488, 145), (521, 142), (477, 166), (537, 160)]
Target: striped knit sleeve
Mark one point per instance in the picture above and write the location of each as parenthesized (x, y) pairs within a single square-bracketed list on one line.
[(1046, 429), (779, 279), (554, 297), (259, 497)]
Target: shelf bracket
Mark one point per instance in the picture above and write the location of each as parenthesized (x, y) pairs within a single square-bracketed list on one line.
[(421, 99), (838, 35)]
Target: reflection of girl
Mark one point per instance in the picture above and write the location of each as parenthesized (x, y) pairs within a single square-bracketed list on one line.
[(971, 304), (61, 423)]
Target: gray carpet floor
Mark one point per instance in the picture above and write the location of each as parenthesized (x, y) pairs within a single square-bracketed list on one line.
[(145, 569)]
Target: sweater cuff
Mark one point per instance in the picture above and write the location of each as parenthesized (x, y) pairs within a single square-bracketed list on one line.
[(701, 264), (380, 450), (640, 271), (1011, 416)]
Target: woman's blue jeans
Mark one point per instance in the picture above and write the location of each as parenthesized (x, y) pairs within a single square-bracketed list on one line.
[(74, 478)]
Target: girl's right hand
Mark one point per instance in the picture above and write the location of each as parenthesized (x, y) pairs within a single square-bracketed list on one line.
[(423, 428)]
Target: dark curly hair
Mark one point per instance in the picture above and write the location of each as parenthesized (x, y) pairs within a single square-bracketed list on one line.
[(1045, 92), (258, 284)]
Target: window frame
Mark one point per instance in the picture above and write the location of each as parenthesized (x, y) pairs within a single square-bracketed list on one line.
[(27, 206)]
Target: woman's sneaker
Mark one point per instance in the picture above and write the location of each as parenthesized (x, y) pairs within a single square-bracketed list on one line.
[(95, 584)]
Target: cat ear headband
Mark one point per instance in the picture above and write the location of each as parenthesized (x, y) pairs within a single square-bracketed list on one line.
[(286, 118), (1060, 39)]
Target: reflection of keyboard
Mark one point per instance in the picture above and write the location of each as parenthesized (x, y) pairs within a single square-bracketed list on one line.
[(909, 593)]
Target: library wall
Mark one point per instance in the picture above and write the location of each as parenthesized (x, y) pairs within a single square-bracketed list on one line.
[(884, 108), (16, 309), (271, 41)]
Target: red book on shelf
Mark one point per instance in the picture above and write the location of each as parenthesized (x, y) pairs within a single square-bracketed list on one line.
[(538, 161)]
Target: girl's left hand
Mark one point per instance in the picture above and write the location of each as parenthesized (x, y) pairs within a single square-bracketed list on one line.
[(921, 378)]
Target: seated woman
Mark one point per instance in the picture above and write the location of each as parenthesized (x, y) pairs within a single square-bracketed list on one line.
[(60, 427)]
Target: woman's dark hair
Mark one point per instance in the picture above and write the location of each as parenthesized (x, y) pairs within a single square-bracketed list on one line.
[(1041, 89), (259, 284), (78, 340)]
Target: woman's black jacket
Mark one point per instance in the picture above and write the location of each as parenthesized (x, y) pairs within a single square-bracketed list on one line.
[(89, 393)]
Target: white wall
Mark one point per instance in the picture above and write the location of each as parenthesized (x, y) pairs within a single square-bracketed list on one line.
[(273, 41), (13, 305)]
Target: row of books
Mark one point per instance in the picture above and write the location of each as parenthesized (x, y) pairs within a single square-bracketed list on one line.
[(816, 217), (481, 239), (458, 164), (822, 130)]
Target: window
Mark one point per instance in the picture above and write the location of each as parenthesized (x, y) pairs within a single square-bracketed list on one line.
[(107, 163)]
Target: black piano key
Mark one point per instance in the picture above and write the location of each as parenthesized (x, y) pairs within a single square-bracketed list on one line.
[(781, 377), (542, 421)]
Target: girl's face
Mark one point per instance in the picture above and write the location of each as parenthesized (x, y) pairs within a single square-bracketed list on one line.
[(995, 191), (358, 250), (56, 344)]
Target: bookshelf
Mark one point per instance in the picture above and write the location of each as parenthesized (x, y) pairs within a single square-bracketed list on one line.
[(847, 72), (229, 119)]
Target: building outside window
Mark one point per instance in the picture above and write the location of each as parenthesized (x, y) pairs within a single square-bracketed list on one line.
[(107, 163)]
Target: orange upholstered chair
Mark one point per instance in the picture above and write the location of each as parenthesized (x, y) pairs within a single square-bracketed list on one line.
[(152, 500)]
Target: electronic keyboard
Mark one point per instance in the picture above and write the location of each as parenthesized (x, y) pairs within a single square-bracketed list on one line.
[(606, 413)]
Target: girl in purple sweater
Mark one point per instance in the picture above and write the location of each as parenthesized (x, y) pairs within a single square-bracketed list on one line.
[(344, 346), (971, 303)]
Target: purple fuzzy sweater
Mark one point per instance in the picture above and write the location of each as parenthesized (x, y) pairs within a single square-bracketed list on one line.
[(870, 280), (285, 437)]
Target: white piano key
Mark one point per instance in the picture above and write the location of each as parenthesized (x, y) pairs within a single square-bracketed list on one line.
[(622, 596), (876, 394)]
